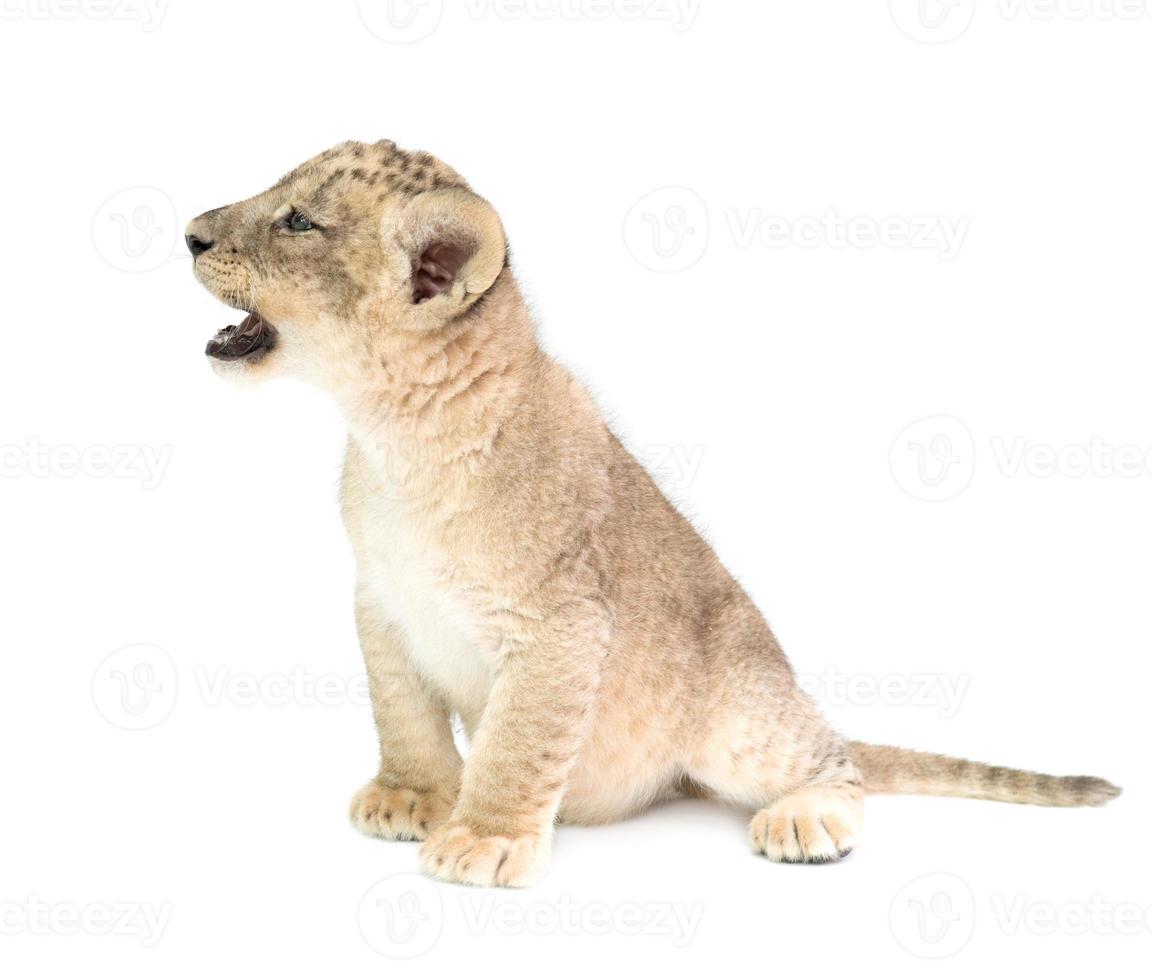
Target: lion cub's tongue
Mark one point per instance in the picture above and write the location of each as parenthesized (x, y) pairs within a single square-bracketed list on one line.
[(237, 341)]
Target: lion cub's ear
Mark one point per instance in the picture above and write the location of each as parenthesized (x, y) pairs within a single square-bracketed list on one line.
[(456, 248)]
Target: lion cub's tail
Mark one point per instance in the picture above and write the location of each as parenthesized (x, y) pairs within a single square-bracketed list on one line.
[(886, 769)]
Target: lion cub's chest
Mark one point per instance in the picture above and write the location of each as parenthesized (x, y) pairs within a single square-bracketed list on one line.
[(404, 573)]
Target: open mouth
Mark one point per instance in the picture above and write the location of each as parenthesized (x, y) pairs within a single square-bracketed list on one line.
[(250, 338)]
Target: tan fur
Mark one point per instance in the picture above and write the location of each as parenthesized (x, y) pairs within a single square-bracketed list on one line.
[(517, 567)]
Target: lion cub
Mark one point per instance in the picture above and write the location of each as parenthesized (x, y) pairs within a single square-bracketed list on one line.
[(516, 566)]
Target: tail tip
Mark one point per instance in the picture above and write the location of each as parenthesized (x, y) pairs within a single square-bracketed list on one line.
[(1091, 791)]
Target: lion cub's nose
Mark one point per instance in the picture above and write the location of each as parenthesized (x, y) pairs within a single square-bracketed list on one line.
[(197, 246)]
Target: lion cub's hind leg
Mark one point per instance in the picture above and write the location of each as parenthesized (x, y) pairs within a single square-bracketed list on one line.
[(813, 825), (774, 753)]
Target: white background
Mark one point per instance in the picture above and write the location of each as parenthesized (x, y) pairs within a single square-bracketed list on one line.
[(767, 361)]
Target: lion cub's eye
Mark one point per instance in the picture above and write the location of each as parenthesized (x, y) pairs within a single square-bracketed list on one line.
[(295, 221)]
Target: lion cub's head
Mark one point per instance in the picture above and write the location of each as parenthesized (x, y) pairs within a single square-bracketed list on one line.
[(357, 244)]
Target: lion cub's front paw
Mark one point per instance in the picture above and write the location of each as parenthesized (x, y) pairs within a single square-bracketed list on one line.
[(810, 826), (456, 853), (397, 814)]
